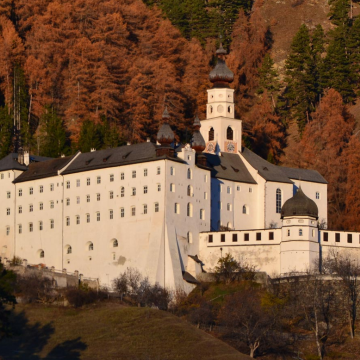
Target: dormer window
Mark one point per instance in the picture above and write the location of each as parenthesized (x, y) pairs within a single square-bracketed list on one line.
[(211, 134), (229, 133)]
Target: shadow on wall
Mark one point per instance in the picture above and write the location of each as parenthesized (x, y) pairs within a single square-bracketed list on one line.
[(215, 209), (28, 340)]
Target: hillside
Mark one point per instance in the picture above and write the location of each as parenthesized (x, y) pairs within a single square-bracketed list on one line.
[(108, 331)]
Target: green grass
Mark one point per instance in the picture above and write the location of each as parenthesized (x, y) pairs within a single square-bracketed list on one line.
[(108, 331)]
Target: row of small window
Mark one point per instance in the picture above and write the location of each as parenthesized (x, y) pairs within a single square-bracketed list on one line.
[(246, 237), (3, 175), (229, 130), (337, 237), (189, 173), (189, 210), (77, 218), (301, 233), (229, 190)]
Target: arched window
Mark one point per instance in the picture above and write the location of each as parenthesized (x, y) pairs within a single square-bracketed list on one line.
[(42, 254), (91, 246), (189, 190), (211, 134), (245, 209), (189, 210), (122, 192), (229, 133), (278, 201), (69, 250), (189, 174), (115, 243), (189, 237)]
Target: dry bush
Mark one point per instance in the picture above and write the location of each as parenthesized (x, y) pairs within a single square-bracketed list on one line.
[(83, 295)]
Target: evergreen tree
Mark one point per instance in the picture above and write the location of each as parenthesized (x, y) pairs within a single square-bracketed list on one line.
[(53, 135), (339, 12), (6, 131), (110, 135), (90, 136)]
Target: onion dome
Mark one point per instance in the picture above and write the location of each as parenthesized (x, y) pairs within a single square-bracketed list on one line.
[(198, 142), (221, 74), (300, 205), (165, 135)]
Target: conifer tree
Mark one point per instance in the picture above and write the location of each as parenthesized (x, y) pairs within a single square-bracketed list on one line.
[(6, 131), (53, 135), (90, 137)]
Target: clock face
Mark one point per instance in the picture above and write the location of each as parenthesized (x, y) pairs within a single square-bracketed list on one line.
[(230, 146), (210, 147)]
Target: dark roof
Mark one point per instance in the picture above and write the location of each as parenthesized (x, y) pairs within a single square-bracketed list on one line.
[(268, 171), (304, 175), (229, 167), (196, 259), (189, 278), (221, 73), (299, 205), (10, 162), (124, 155), (43, 169), (165, 134)]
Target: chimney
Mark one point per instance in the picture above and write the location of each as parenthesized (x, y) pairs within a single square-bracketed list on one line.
[(92, 150), (26, 158)]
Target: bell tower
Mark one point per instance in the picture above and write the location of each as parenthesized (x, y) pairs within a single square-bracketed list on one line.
[(221, 131)]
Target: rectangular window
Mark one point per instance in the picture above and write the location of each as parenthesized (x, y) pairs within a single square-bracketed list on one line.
[(222, 238), (300, 232), (41, 188), (271, 235), (67, 202), (210, 238), (145, 172), (8, 194), (202, 214), (145, 209), (145, 189), (77, 218), (159, 187), (97, 197), (205, 196), (317, 195), (229, 207), (158, 170), (258, 236), (122, 192), (111, 214), (326, 236), (134, 174), (67, 221), (87, 198), (111, 177), (234, 237), (133, 191), (337, 237), (98, 179), (246, 237), (77, 182), (8, 211), (111, 194), (51, 187), (31, 208), (20, 209), (97, 216), (205, 178), (20, 229), (20, 192), (133, 211), (68, 184), (41, 206), (172, 171), (177, 208), (250, 189), (87, 218), (31, 227), (172, 187), (52, 224), (122, 212), (229, 190), (88, 181), (31, 191), (122, 176), (349, 238), (156, 207), (78, 199), (51, 204), (8, 230), (238, 188), (40, 225)]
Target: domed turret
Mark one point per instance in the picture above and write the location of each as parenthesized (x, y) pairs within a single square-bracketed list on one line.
[(300, 205), (198, 142), (165, 135), (221, 75)]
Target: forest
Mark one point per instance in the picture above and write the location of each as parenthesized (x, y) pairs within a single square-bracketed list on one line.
[(84, 74)]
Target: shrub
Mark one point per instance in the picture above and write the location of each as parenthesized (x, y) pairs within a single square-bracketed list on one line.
[(83, 295), (35, 288)]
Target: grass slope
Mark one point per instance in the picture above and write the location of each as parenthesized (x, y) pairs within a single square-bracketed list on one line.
[(108, 331)]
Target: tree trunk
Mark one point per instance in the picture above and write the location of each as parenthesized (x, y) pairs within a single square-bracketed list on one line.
[(351, 326)]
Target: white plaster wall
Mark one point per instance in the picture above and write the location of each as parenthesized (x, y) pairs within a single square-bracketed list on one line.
[(220, 103)]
